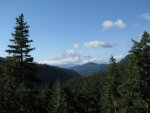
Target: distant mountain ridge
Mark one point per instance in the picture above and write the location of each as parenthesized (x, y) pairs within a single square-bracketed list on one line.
[(3, 59), (47, 73), (90, 68)]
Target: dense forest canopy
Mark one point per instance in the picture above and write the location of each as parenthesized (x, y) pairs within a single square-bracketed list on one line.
[(123, 88)]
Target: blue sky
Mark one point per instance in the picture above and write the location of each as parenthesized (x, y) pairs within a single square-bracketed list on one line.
[(100, 27)]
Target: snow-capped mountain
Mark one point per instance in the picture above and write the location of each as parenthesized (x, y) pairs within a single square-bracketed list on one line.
[(71, 58)]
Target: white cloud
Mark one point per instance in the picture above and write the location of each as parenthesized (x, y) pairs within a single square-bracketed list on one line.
[(146, 16), (108, 24), (76, 46), (98, 44), (73, 58)]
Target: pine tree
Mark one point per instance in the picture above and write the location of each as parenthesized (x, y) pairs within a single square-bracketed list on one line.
[(89, 97), (72, 103), (128, 96), (18, 71), (140, 70), (106, 100), (43, 98), (57, 103), (20, 51), (114, 81)]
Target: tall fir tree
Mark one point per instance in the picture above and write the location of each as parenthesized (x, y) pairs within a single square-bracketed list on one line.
[(106, 100), (89, 96), (128, 96), (140, 70), (43, 98), (20, 51), (72, 103), (18, 71), (113, 81), (57, 103)]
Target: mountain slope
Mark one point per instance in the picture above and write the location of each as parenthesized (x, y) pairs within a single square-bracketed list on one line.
[(48, 73), (90, 68)]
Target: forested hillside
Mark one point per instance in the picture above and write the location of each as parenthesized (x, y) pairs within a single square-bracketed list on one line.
[(48, 73), (123, 88), (90, 68)]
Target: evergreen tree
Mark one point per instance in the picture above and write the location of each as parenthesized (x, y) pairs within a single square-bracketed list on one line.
[(57, 103), (113, 81), (18, 71), (8, 86), (90, 96), (20, 51), (72, 102), (129, 100), (140, 71), (106, 100), (43, 98)]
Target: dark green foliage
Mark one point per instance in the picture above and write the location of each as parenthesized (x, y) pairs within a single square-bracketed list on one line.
[(84, 94), (57, 103), (18, 72), (1, 87), (21, 47), (43, 98), (113, 76), (21, 59), (135, 89), (110, 89), (77, 83), (140, 63), (48, 73), (71, 101), (123, 66)]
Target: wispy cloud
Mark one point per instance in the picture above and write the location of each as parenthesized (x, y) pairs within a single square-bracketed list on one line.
[(108, 24), (146, 16), (98, 44), (76, 46)]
